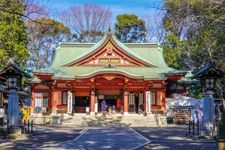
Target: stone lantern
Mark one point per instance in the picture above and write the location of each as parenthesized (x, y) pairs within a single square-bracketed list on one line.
[(13, 74), (210, 76)]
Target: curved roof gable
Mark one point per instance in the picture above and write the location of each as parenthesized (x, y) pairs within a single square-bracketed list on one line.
[(109, 50)]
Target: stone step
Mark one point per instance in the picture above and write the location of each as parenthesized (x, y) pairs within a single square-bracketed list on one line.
[(98, 120), (129, 120)]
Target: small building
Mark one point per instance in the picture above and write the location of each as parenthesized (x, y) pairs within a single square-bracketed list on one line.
[(129, 76)]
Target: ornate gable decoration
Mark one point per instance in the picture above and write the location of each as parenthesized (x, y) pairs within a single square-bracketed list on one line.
[(109, 51), (109, 54)]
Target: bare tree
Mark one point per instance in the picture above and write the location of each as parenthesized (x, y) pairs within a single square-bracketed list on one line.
[(34, 10), (155, 29), (88, 21), (43, 40)]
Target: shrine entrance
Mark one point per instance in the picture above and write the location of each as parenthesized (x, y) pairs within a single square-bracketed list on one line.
[(112, 101)]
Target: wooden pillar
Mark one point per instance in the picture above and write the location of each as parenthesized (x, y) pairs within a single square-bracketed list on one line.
[(163, 100), (92, 103), (125, 103), (33, 102), (54, 100)]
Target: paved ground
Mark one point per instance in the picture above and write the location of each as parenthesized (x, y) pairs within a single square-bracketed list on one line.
[(43, 135), (110, 138), (116, 138), (174, 138)]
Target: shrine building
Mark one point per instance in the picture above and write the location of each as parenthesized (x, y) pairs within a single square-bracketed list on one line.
[(131, 77)]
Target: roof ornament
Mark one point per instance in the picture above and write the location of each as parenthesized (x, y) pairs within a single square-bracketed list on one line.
[(11, 60), (109, 66), (109, 32)]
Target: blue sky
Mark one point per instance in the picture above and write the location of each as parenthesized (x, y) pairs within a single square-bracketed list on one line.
[(141, 8)]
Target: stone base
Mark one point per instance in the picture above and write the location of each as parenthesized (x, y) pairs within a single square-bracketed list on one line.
[(125, 113), (92, 113), (221, 144), (15, 133)]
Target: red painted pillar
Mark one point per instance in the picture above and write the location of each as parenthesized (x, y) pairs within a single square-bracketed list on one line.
[(125, 103), (32, 102), (92, 103), (54, 99)]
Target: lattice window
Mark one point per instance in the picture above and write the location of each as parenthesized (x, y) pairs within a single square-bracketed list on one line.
[(140, 98), (131, 99), (153, 98), (41, 99), (159, 98), (209, 83), (64, 98)]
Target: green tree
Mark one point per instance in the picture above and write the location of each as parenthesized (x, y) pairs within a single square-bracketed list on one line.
[(130, 29), (44, 35), (194, 32), (13, 37)]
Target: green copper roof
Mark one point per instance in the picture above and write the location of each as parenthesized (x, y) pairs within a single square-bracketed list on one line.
[(101, 43), (187, 79), (87, 71), (147, 53)]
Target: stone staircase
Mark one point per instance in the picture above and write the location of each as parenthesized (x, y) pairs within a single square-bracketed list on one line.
[(131, 120)]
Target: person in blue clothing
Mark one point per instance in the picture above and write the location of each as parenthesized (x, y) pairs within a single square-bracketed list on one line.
[(103, 108)]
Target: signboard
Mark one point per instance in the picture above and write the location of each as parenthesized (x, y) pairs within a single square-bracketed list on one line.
[(148, 101), (2, 112), (96, 104), (70, 102)]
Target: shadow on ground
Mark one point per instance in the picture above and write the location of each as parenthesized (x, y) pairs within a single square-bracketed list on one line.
[(41, 137), (170, 138)]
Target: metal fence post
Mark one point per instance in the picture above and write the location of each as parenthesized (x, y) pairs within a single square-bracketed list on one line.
[(32, 124), (189, 127), (198, 128), (193, 127), (8, 130), (28, 127)]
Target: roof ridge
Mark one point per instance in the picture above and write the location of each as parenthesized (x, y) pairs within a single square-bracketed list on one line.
[(109, 36)]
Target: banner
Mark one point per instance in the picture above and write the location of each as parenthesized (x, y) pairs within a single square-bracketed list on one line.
[(148, 101), (70, 102)]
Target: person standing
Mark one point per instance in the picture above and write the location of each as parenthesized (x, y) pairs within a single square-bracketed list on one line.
[(103, 108)]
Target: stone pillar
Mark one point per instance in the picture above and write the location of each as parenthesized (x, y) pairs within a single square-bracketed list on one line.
[(208, 112), (13, 108), (92, 103), (54, 100), (125, 103)]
